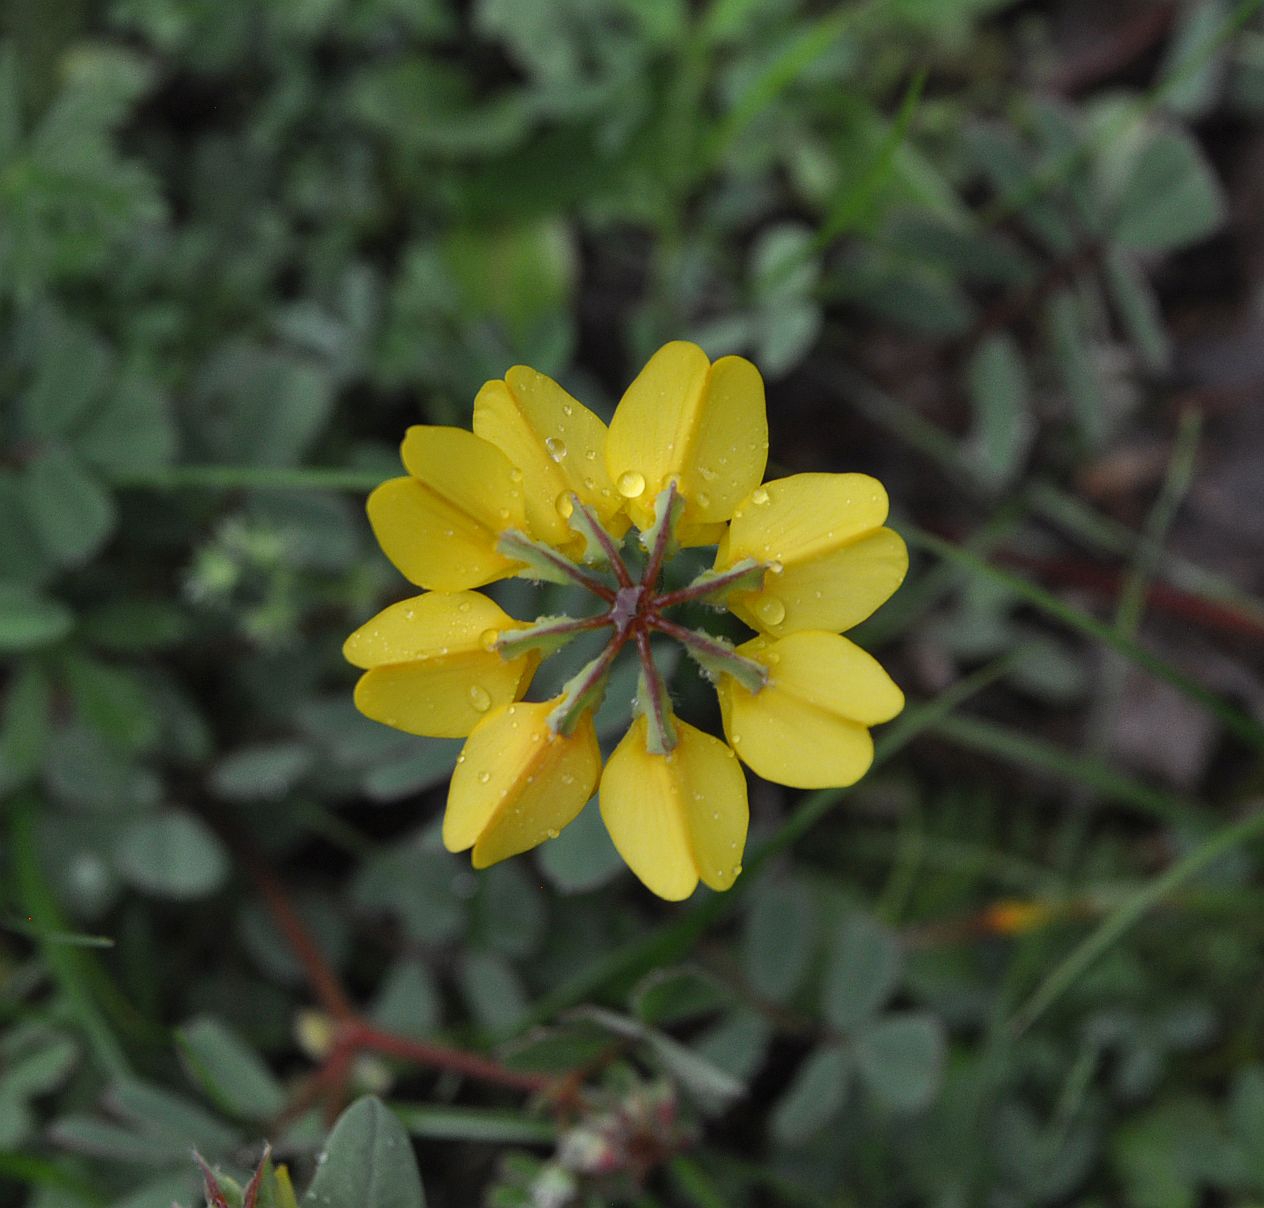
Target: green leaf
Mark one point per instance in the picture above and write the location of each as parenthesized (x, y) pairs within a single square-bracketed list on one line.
[(24, 725), (1077, 365), (862, 973), (900, 1058), (1246, 1118), (228, 1070), (72, 513), (29, 620), (1003, 424), (814, 1097), (489, 1125), (264, 772), (367, 1162), (172, 855), (131, 431), (779, 939), (1171, 198), (408, 1001), (114, 702), (493, 991), (582, 857), (72, 368), (510, 910), (23, 558), (83, 770), (669, 996), (1138, 308)]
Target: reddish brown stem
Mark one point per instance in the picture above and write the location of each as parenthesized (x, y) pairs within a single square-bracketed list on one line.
[(362, 1036)]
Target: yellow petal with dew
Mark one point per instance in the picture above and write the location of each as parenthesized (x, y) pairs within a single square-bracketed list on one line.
[(701, 424), (560, 447), (431, 668), (440, 527), (517, 783), (808, 726), (679, 817), (831, 563)]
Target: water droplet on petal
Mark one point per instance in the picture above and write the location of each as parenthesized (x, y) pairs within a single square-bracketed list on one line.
[(409, 613), (463, 606), (770, 610), (565, 505), (480, 698), (707, 473), (736, 739), (759, 496), (776, 567), (461, 757), (515, 474), (552, 832), (556, 447), (567, 409), (590, 454), (631, 484), (488, 639), (484, 777), (704, 500)]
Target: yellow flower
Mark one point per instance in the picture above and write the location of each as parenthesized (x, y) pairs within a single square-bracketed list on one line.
[(540, 488)]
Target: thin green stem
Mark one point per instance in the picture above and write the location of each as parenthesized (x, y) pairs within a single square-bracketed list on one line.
[(1246, 728), (1131, 912)]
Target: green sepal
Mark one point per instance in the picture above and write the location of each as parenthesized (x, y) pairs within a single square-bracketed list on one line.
[(546, 634), (718, 656), (713, 586), (583, 691), (660, 733), (542, 562), (668, 508), (583, 520)]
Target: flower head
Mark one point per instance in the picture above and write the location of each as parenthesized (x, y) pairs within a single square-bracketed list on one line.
[(541, 488)]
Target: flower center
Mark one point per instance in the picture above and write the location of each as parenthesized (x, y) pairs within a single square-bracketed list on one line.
[(628, 605)]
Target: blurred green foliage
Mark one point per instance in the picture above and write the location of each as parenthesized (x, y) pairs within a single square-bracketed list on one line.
[(242, 246)]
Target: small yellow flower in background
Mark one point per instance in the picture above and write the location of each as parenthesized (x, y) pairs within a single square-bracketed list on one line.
[(542, 489)]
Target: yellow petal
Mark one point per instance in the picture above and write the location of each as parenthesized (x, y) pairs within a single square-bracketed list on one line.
[(517, 783), (557, 443), (703, 425), (440, 527), (678, 817), (430, 671), (807, 727), (831, 561)]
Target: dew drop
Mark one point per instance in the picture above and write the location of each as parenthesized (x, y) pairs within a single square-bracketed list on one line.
[(409, 613), (463, 606), (704, 500), (631, 484), (552, 832), (707, 473), (776, 567), (590, 454), (737, 738), (565, 505), (484, 777), (480, 698), (715, 815), (461, 757), (488, 639), (556, 447), (567, 409), (590, 483), (512, 710), (504, 513), (760, 496), (771, 610), (515, 474)]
